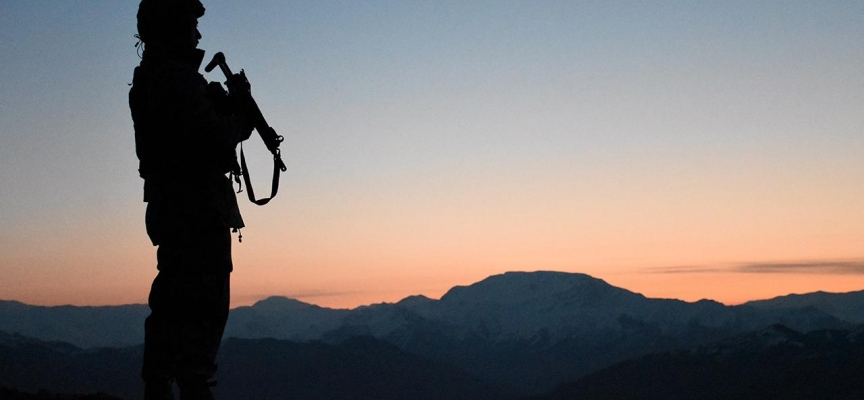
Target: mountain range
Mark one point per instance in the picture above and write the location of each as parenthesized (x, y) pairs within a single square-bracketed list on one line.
[(522, 333), (772, 363)]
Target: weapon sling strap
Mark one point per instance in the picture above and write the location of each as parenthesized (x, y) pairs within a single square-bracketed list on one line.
[(274, 187)]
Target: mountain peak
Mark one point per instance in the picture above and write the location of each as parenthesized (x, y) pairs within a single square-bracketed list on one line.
[(522, 287), (417, 299), (280, 302)]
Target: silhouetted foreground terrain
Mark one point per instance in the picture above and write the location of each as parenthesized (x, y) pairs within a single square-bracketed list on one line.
[(14, 394), (359, 368), (774, 363), (522, 333), (32, 365)]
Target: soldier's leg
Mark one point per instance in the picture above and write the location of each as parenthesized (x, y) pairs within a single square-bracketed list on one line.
[(204, 311), (189, 302), (204, 314), (161, 328)]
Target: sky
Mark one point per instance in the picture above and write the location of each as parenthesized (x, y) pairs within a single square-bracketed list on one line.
[(679, 149)]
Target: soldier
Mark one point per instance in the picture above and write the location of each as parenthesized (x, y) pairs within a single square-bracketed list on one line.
[(185, 138)]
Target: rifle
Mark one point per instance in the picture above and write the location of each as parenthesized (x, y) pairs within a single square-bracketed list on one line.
[(238, 86)]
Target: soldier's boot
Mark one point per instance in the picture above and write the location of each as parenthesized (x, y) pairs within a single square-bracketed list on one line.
[(195, 388), (158, 389)]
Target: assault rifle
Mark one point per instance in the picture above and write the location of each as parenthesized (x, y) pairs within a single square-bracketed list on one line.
[(238, 86)]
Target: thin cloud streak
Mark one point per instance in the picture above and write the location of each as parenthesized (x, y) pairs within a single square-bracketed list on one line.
[(689, 269), (818, 267), (825, 267)]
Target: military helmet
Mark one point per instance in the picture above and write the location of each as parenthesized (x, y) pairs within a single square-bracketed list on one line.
[(167, 21)]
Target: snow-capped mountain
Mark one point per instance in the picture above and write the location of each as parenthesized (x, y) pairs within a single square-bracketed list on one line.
[(529, 330)]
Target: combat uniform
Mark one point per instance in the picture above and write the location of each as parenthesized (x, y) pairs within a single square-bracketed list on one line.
[(185, 146)]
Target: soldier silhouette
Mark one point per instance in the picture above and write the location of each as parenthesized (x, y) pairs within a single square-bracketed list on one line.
[(186, 133)]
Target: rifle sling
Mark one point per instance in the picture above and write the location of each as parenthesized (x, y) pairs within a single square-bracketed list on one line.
[(274, 188)]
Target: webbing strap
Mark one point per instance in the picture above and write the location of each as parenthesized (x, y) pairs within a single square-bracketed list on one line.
[(274, 187)]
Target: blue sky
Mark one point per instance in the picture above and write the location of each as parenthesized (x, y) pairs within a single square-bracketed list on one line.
[(435, 143)]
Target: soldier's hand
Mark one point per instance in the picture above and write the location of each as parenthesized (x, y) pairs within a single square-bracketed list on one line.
[(238, 82), (215, 90), (217, 94), (245, 127), (239, 93)]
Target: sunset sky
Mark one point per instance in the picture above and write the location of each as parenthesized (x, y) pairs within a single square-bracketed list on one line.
[(686, 149)]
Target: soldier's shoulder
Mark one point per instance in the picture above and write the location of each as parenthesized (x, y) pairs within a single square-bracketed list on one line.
[(177, 70), (171, 77)]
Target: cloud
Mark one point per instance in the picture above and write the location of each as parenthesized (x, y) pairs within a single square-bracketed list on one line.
[(689, 269), (805, 267), (824, 267)]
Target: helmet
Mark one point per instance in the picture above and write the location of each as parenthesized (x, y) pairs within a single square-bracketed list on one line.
[(167, 21)]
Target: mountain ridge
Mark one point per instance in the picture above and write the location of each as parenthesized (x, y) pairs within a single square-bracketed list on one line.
[(512, 304), (773, 362), (530, 330), (278, 299)]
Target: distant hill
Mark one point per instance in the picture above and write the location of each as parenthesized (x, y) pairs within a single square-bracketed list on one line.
[(527, 331), (280, 317), (32, 365), (359, 368), (102, 326), (846, 306), (537, 330), (773, 363)]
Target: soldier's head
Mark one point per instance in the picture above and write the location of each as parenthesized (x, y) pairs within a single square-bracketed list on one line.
[(171, 23)]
